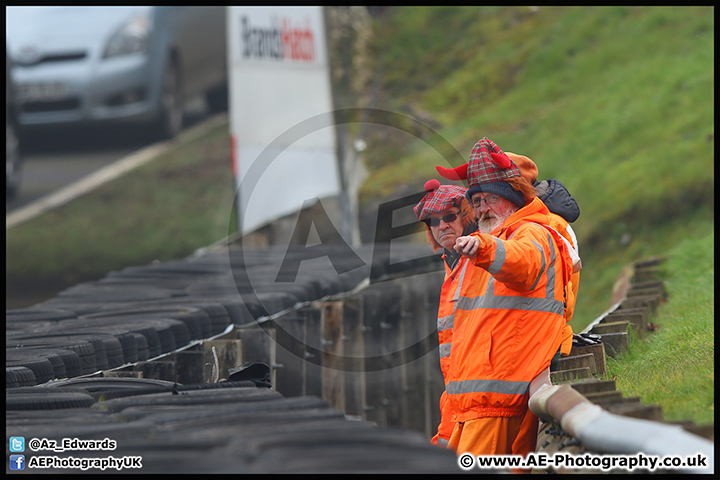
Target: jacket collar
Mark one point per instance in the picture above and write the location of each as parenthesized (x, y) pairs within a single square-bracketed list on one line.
[(535, 211)]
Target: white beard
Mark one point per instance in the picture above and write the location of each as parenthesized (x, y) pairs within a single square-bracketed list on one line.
[(489, 225)]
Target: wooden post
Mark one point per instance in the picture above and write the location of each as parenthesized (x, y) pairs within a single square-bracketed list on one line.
[(229, 354), (571, 375), (290, 352), (354, 348), (592, 386), (375, 362), (612, 327), (636, 316), (157, 370), (122, 374), (598, 352), (642, 301), (333, 381), (413, 333), (259, 346), (189, 366), (586, 360), (615, 343), (313, 355), (435, 383), (391, 295)]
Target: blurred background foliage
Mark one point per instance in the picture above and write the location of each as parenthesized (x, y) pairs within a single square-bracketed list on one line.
[(615, 102)]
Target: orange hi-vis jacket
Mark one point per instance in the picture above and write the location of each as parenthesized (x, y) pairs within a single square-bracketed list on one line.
[(562, 226), (446, 315), (508, 315)]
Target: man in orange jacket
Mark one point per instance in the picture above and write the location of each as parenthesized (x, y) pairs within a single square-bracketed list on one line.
[(447, 215), (508, 307)]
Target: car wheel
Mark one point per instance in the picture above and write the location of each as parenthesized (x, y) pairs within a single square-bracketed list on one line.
[(13, 160), (170, 121)]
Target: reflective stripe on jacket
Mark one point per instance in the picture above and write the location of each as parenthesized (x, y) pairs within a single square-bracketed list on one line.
[(449, 293), (446, 311), (509, 316)]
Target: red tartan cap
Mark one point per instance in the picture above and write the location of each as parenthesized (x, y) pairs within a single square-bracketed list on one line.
[(487, 171), (489, 164), (528, 169), (438, 199)]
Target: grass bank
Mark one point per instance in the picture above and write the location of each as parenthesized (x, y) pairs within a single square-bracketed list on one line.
[(163, 210), (675, 366)]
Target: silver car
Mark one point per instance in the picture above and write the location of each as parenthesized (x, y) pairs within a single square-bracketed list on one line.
[(119, 64)]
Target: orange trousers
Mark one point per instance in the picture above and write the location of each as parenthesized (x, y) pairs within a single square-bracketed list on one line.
[(496, 435), (485, 436), (526, 440)]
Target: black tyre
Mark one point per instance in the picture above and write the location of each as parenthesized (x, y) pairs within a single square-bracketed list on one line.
[(91, 351), (219, 315), (170, 120), (109, 294), (127, 339), (38, 315), (108, 349), (25, 327), (73, 365), (197, 321), (59, 370), (40, 366), (253, 398), (82, 348), (16, 377), (43, 400), (141, 343), (107, 388)]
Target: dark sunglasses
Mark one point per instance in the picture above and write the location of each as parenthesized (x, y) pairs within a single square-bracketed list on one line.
[(434, 222)]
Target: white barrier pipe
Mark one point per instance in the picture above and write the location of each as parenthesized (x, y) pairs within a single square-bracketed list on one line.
[(606, 432)]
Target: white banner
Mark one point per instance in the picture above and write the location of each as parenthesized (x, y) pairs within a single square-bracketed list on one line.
[(283, 139)]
